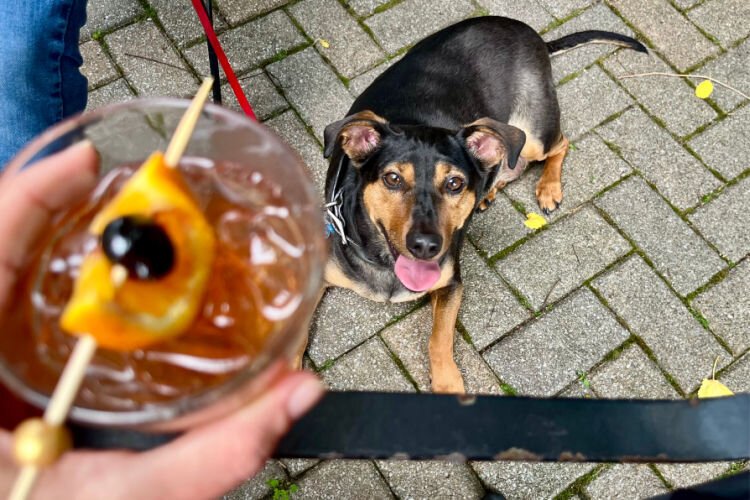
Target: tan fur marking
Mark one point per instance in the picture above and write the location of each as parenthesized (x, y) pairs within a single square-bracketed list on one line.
[(454, 209), (446, 276), (533, 150), (549, 188), (335, 277), (446, 377), (391, 209), (405, 170), (369, 115), (442, 172)]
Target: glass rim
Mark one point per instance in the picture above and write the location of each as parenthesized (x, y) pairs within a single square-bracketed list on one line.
[(154, 414), (22, 157)]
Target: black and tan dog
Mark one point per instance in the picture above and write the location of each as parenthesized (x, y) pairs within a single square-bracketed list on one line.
[(429, 142)]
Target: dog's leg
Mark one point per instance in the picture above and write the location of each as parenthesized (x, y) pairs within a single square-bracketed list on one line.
[(297, 360), (505, 176), (445, 374), (549, 188), (489, 198)]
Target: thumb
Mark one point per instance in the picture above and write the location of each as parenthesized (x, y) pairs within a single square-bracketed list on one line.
[(228, 451)]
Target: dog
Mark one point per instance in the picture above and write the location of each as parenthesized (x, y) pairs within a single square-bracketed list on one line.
[(429, 143)]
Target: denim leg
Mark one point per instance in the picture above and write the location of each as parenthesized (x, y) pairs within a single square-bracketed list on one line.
[(40, 62)]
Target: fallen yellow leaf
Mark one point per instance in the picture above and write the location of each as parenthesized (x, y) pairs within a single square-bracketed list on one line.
[(704, 89), (711, 388), (534, 221), (325, 44)]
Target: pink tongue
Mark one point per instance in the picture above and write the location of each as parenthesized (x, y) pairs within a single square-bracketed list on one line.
[(417, 275)]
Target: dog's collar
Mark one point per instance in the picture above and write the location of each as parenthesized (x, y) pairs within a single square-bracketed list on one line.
[(335, 222)]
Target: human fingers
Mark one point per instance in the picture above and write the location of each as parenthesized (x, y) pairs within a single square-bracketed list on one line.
[(204, 463), (211, 460), (29, 199)]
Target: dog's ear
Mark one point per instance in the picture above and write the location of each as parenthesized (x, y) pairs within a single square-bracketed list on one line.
[(359, 135), (491, 142)]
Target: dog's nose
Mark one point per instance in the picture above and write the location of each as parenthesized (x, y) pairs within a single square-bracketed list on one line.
[(424, 245)]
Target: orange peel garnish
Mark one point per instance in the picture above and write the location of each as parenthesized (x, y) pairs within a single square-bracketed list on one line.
[(133, 313)]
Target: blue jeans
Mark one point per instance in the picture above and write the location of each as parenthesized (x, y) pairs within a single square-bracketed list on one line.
[(40, 66)]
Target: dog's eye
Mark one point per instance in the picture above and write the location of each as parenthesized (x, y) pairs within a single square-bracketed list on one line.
[(392, 180), (454, 185)]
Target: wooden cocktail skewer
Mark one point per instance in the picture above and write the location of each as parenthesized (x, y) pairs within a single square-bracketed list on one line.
[(75, 369)]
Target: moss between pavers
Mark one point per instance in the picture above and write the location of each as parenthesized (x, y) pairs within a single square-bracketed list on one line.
[(519, 296), (417, 305), (559, 22), (735, 468), (151, 14), (384, 7), (668, 376), (701, 320), (704, 323), (148, 10), (108, 55), (400, 364), (326, 365), (512, 247), (702, 128), (508, 389), (640, 35), (281, 489), (730, 366), (715, 279), (276, 113), (605, 270), (464, 333), (682, 141), (692, 153), (311, 42), (360, 21), (518, 206), (579, 485), (661, 477), (709, 197), (635, 339), (118, 68), (616, 352), (480, 12), (681, 214)]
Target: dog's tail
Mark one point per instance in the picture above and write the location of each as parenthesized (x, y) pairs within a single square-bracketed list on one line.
[(584, 37)]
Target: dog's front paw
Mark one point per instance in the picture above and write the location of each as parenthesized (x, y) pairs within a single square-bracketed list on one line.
[(548, 195), (448, 381), (489, 199)]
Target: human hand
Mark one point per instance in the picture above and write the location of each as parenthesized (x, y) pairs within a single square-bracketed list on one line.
[(204, 462)]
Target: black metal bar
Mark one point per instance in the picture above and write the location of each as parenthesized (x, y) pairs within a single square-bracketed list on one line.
[(422, 426), (213, 62)]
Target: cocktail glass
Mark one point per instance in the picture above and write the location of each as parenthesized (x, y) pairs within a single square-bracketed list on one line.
[(261, 203)]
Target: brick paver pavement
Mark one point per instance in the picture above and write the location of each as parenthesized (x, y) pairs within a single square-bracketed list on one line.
[(635, 286)]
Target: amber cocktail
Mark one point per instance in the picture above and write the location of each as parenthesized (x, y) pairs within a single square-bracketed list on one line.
[(263, 279)]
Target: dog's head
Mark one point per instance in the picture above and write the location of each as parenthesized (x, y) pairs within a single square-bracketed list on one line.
[(419, 185)]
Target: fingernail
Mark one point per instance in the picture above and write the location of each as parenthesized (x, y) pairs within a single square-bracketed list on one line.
[(86, 142), (304, 397)]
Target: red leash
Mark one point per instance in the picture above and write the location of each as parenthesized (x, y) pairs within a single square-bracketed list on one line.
[(231, 77)]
